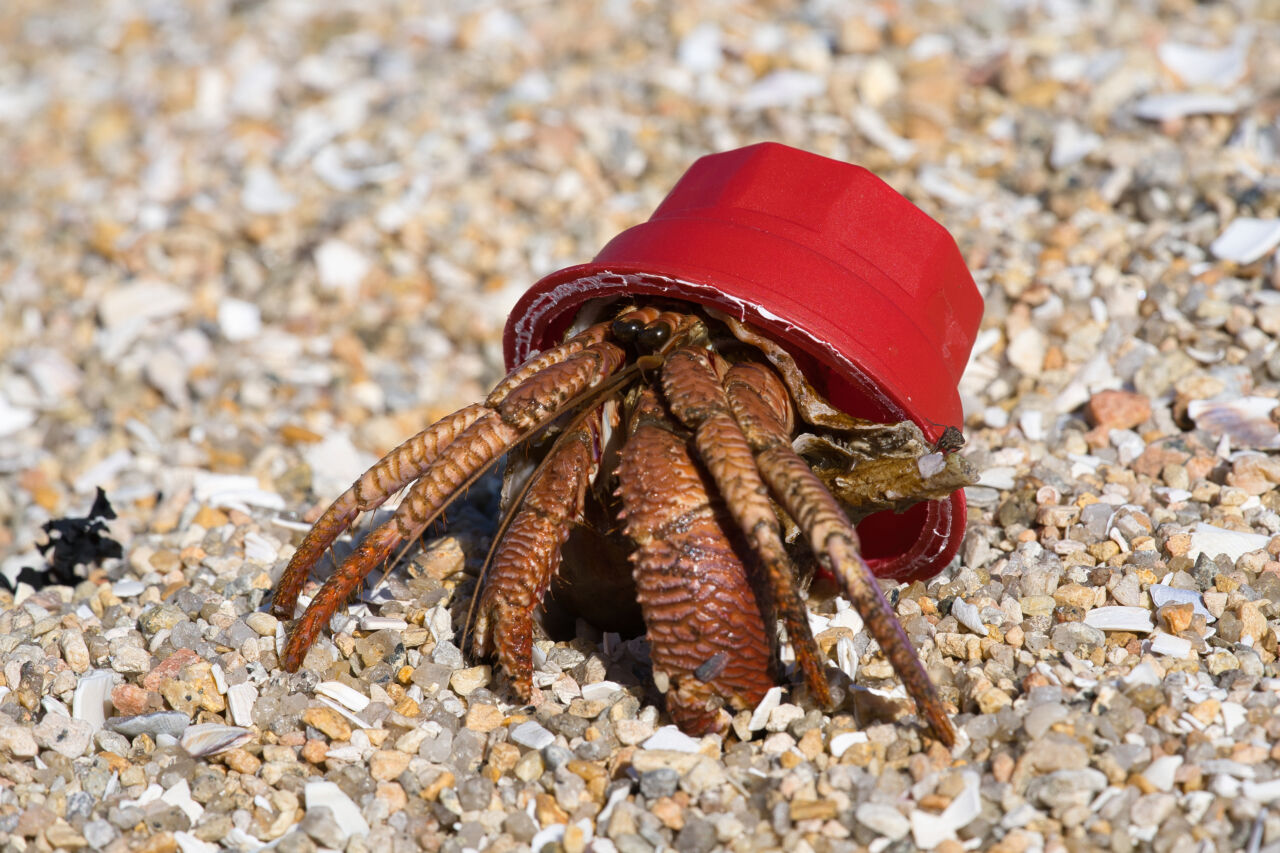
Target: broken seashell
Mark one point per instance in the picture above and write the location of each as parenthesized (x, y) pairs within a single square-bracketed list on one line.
[(1247, 239), (212, 738)]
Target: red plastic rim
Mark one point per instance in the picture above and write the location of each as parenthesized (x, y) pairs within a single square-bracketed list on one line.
[(869, 294)]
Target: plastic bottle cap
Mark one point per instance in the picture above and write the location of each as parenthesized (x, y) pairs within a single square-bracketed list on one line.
[(869, 294)]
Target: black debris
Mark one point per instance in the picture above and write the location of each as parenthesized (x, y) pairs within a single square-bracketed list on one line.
[(73, 542)]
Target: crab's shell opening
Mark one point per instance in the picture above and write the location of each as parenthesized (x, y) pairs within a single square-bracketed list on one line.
[(908, 546)]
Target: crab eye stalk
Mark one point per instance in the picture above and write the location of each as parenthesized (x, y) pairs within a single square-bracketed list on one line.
[(625, 331), (654, 336)]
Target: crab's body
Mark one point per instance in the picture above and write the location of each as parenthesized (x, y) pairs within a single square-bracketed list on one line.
[(676, 429)]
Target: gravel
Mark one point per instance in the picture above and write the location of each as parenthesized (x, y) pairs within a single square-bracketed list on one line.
[(248, 248)]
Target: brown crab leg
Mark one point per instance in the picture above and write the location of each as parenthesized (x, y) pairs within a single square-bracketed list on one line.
[(410, 460), (692, 387), (529, 553), (525, 409), (706, 637), (392, 473), (830, 534)]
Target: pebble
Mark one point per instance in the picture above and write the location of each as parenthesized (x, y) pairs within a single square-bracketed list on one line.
[(1118, 409)]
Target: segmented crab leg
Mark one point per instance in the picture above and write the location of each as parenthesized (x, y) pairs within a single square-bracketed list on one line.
[(407, 462), (706, 636), (528, 554), (754, 394), (392, 473), (526, 408), (692, 387)]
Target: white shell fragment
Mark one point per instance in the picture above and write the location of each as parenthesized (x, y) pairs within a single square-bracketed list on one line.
[(532, 735), (1247, 239), (157, 723), (672, 739), (1246, 421), (89, 702), (1205, 66), (840, 743), (600, 690), (930, 830), (771, 699), (240, 699), (212, 738), (1119, 619), (1168, 644), (382, 623), (1183, 104), (345, 813), (180, 795), (931, 464), (231, 490), (347, 695), (1071, 144), (1207, 539), (967, 615)]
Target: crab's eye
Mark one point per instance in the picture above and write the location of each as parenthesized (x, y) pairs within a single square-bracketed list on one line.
[(654, 336), (625, 331)]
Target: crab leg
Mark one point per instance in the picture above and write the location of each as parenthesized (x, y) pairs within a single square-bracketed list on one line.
[(707, 639), (758, 401), (528, 407), (391, 474), (691, 384), (529, 553)]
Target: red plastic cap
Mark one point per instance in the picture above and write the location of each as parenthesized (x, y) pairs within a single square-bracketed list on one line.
[(869, 294)]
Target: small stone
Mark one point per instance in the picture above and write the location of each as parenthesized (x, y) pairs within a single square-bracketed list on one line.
[(992, 700), (75, 651), (328, 721), (64, 735), (18, 741), (697, 836), (60, 835), (632, 731), (1176, 617), (196, 691), (129, 699), (484, 718), (529, 767), (661, 782), (466, 681), (385, 764), (99, 833), (1118, 409), (1252, 623), (813, 810), (263, 624)]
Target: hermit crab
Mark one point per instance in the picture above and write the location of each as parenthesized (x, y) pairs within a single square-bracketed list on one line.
[(722, 394)]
